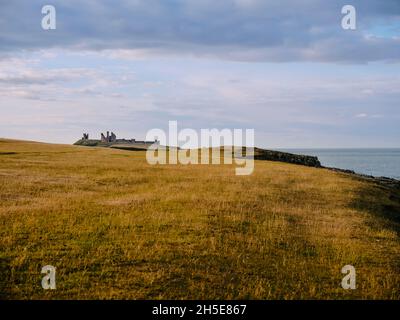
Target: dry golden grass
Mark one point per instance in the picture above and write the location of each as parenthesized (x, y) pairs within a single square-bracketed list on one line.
[(116, 227)]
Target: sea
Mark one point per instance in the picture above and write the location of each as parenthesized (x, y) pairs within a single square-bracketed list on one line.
[(374, 162)]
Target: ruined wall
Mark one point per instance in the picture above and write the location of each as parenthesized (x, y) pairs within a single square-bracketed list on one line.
[(310, 161)]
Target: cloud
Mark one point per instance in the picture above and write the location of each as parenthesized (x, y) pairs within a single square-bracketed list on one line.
[(369, 116), (133, 65), (244, 30)]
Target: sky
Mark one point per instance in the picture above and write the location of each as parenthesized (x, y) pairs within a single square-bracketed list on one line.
[(286, 69)]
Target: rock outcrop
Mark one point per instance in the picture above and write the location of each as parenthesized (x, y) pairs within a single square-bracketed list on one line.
[(385, 181), (311, 161), (263, 154)]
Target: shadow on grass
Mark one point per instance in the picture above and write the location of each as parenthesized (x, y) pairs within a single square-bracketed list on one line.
[(383, 203), (5, 277)]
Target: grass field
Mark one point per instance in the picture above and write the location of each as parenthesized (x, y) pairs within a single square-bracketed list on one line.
[(116, 227)]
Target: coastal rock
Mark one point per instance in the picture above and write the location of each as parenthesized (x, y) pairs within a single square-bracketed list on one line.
[(385, 181)]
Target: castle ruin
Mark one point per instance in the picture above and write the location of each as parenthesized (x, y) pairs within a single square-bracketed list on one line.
[(110, 139)]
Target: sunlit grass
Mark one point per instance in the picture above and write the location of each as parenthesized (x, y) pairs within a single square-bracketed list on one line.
[(116, 227)]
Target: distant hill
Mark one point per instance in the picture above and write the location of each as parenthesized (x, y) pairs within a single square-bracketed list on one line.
[(116, 145)]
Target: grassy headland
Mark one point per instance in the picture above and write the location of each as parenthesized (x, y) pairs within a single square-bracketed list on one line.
[(116, 227)]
